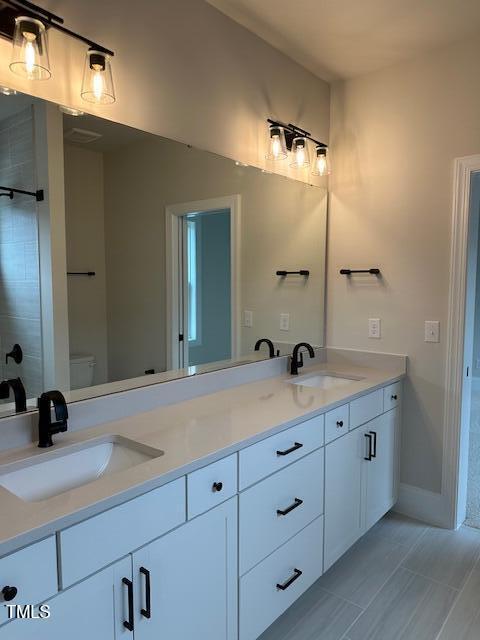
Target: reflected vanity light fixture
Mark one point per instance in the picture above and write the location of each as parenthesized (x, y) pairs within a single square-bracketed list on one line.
[(26, 25), (6, 91), (285, 138)]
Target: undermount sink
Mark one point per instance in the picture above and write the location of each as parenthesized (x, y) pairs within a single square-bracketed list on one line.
[(323, 380), (49, 474)]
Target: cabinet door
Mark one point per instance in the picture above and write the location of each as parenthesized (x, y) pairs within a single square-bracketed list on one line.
[(95, 609), (380, 472), (344, 459), (186, 582)]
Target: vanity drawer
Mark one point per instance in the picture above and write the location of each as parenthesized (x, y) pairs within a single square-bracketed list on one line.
[(32, 571), (336, 423), (211, 485), (366, 408), (392, 395), (297, 491), (261, 600), (90, 545), (263, 458)]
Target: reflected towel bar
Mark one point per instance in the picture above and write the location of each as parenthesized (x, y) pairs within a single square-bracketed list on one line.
[(10, 191), (81, 273), (303, 272)]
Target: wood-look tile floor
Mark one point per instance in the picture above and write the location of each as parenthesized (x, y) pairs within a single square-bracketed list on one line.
[(402, 581)]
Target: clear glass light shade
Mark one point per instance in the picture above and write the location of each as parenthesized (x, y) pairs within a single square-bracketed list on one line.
[(97, 85), (300, 153), (277, 146), (321, 166), (30, 49)]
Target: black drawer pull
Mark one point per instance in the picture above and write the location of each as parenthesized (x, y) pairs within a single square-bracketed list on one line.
[(128, 624), (374, 452), (296, 574), (147, 612), (297, 445), (339, 423), (395, 397), (217, 486), (368, 457), (284, 512), (9, 593)]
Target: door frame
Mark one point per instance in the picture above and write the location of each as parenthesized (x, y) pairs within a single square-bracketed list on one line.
[(172, 243), (456, 435)]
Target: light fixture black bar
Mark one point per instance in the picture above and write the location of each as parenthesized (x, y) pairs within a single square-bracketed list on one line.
[(20, 4), (348, 272), (294, 130), (303, 272), (81, 273), (53, 21), (38, 195)]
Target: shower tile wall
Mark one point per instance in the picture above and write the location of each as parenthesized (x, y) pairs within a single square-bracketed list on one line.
[(20, 319)]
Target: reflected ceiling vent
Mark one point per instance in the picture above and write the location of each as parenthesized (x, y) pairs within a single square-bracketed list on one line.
[(81, 136)]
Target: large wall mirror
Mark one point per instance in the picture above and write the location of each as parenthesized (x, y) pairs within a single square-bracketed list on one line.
[(148, 259)]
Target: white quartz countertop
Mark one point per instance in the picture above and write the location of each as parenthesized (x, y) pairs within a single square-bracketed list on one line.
[(191, 434)]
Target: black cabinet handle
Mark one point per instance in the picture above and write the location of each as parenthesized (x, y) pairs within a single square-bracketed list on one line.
[(296, 574), (217, 486), (283, 512), (368, 457), (297, 445), (9, 593), (374, 452), (147, 612), (340, 423), (395, 397), (128, 624)]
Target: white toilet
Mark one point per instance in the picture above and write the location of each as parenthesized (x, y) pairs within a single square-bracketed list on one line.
[(82, 369)]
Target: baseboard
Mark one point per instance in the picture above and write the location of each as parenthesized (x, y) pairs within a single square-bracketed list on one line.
[(428, 506)]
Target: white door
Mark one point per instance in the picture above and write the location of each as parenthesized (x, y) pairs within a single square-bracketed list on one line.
[(186, 582), (380, 473), (95, 609), (343, 494)]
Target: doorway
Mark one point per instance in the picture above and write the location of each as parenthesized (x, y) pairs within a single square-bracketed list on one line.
[(202, 274)]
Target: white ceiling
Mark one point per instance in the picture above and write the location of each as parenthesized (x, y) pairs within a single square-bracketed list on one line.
[(346, 38)]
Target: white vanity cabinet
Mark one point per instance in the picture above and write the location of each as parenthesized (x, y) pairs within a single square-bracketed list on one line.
[(95, 609), (186, 581), (360, 482)]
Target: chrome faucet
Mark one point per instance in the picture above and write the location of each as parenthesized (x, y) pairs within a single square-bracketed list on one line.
[(18, 392), (296, 362), (47, 428)]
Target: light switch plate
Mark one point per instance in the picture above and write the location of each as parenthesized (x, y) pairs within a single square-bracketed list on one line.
[(284, 322), (374, 328), (432, 331), (248, 319)]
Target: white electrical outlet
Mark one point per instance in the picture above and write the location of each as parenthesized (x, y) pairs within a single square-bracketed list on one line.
[(374, 328), (284, 322), (248, 319), (432, 331)]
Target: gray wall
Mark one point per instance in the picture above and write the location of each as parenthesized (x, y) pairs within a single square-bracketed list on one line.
[(19, 262)]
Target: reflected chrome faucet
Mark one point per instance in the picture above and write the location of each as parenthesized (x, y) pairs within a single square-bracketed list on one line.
[(47, 428), (271, 348), (296, 362), (18, 391)]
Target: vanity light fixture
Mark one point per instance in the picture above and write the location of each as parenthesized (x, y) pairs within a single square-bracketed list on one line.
[(30, 49), (277, 146), (285, 138), (301, 158), (26, 25), (321, 166)]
